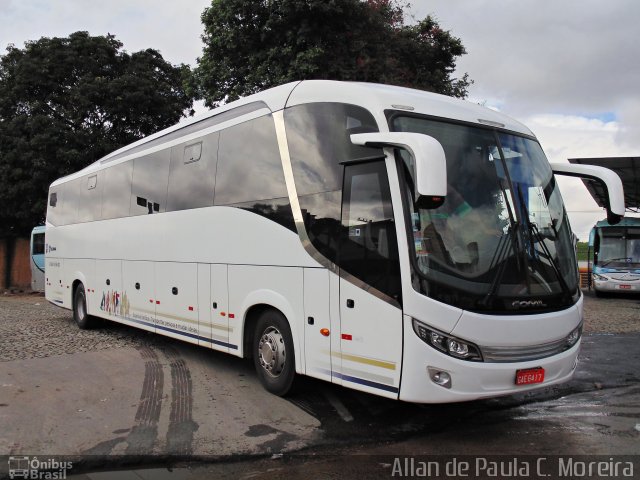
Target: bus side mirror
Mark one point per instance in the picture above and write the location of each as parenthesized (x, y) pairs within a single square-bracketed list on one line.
[(609, 180), (429, 159)]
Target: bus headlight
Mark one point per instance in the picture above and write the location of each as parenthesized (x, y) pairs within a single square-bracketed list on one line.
[(573, 337), (602, 278), (447, 344)]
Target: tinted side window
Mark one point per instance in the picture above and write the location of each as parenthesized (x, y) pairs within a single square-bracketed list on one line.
[(149, 187), (70, 201), (90, 199), (55, 205), (192, 174), (276, 209), (319, 139), (249, 166), (116, 195), (368, 247), (38, 244)]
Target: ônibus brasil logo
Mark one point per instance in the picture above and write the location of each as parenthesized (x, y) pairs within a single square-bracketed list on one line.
[(26, 467)]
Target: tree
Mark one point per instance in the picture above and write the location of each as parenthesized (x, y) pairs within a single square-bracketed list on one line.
[(251, 45), (66, 102)]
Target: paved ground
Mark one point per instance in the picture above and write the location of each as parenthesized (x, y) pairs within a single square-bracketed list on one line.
[(123, 392)]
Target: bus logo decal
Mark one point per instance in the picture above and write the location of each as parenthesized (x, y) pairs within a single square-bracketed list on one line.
[(528, 303)]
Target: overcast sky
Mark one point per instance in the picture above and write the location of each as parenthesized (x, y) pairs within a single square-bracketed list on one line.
[(569, 69)]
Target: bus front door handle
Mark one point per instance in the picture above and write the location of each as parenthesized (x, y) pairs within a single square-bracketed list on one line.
[(350, 303), (137, 286), (174, 290)]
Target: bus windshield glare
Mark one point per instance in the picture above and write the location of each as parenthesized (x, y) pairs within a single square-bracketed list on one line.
[(501, 241)]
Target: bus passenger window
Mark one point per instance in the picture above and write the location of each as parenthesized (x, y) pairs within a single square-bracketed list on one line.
[(38, 244), (249, 165), (150, 178), (90, 199), (117, 191), (192, 174)]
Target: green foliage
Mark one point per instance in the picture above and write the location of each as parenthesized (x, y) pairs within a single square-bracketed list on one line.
[(251, 45), (582, 249), (66, 102)]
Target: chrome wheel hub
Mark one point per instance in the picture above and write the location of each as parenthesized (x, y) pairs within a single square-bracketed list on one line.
[(271, 351)]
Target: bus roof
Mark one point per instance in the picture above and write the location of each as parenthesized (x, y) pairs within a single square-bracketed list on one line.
[(377, 98), (625, 222)]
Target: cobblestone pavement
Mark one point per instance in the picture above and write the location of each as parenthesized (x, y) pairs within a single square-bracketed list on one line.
[(613, 314), (31, 327)]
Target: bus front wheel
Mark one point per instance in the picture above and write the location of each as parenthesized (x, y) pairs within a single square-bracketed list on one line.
[(273, 353), (80, 315)]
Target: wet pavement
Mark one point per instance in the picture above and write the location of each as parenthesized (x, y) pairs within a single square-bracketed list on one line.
[(155, 403)]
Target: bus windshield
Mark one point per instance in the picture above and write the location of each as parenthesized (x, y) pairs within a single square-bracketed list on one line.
[(619, 248), (501, 241)]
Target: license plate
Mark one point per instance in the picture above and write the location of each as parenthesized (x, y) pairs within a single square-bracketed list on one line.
[(624, 287), (529, 376)]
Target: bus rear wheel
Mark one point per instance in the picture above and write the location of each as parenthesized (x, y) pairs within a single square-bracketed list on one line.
[(273, 353), (80, 315)]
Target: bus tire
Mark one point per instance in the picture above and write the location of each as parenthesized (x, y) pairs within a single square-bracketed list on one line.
[(273, 354), (80, 315)]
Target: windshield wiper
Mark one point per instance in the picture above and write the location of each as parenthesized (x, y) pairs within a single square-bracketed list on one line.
[(505, 245), (534, 235), (626, 259)]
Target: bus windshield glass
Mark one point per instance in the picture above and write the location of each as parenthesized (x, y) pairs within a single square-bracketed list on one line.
[(501, 241), (619, 248)]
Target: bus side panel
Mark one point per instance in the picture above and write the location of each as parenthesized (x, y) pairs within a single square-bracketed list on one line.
[(280, 287), (109, 291), (177, 300), (317, 323), (204, 304), (54, 291), (83, 270), (138, 293), (219, 315)]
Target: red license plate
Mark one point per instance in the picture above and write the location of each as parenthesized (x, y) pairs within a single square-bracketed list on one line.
[(529, 376), (624, 287)]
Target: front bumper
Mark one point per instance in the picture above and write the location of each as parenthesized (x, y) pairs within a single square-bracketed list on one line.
[(616, 286), (472, 380)]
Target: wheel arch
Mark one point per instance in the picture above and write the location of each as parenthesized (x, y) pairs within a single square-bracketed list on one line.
[(260, 301), (78, 278)]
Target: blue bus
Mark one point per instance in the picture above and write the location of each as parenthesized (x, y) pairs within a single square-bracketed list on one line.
[(616, 256), (36, 252)]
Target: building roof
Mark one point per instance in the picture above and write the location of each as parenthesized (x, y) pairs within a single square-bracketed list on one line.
[(627, 168)]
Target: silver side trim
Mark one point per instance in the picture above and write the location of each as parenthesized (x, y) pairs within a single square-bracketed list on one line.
[(285, 158)]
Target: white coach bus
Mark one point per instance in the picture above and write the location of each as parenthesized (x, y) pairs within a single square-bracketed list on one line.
[(385, 239)]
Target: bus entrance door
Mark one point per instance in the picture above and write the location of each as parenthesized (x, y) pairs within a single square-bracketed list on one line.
[(370, 316)]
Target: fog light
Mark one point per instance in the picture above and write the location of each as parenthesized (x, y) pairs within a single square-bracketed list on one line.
[(439, 377)]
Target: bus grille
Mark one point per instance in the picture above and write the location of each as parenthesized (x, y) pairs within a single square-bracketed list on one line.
[(523, 354)]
